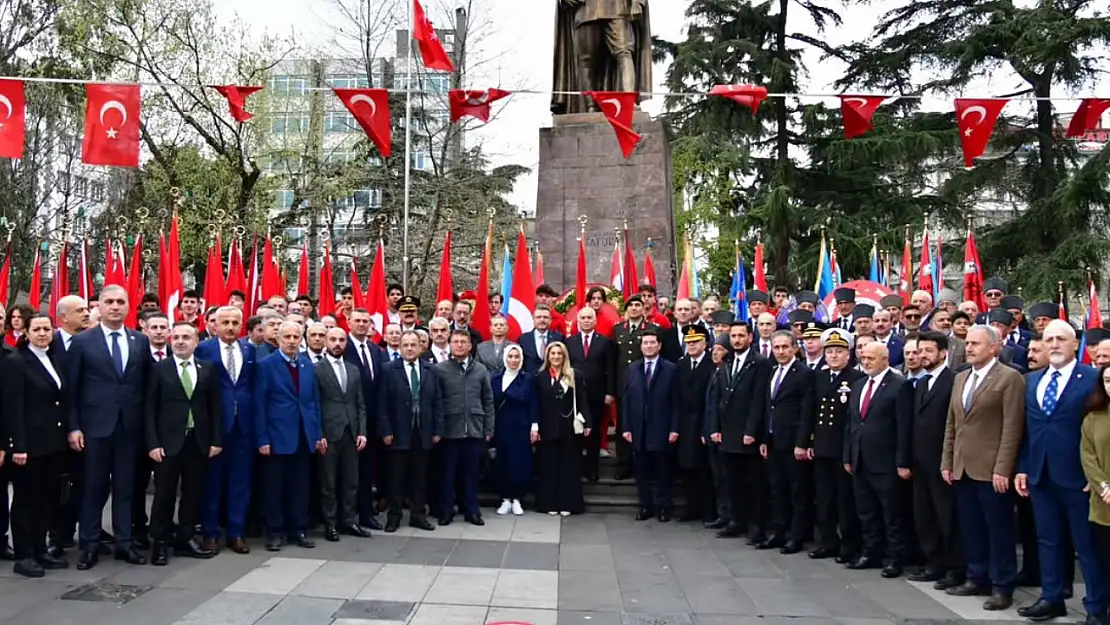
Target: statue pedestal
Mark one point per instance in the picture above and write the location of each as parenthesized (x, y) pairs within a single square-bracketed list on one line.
[(582, 172)]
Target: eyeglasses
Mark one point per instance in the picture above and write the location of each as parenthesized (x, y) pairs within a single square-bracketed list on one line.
[(912, 317), (993, 294)]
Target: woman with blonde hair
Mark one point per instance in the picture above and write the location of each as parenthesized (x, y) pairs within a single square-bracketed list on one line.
[(560, 424)]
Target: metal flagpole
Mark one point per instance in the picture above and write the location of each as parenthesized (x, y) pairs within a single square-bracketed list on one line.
[(408, 151)]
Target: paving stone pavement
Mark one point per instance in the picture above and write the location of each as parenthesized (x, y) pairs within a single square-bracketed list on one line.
[(595, 569)]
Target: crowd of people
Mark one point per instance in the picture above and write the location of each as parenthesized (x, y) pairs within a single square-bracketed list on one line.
[(914, 435)]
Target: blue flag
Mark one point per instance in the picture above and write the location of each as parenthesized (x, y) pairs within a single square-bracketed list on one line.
[(738, 292)]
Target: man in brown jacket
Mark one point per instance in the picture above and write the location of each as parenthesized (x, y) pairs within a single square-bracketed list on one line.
[(986, 420)]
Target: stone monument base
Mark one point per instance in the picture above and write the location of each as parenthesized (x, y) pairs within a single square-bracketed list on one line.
[(582, 172)]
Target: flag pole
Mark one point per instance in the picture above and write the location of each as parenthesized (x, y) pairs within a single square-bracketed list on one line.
[(408, 150)]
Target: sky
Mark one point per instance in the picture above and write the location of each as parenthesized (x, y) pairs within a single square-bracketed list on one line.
[(511, 48)]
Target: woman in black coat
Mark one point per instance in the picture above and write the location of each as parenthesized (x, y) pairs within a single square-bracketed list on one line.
[(560, 392), (34, 407)]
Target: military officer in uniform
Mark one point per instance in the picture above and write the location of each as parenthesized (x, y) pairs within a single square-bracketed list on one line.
[(837, 523), (627, 337)]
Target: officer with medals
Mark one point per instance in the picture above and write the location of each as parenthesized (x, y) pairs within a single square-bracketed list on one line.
[(627, 336), (838, 524)]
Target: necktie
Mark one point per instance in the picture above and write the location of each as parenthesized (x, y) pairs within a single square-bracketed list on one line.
[(230, 364), (585, 345), (844, 323), (647, 372), (341, 370), (396, 355), (693, 365), (1050, 394), (414, 381), (543, 343), (866, 405), (735, 368), (764, 350), (925, 379), (778, 381), (970, 395), (366, 361), (832, 377), (117, 355), (159, 355), (187, 383), (813, 366)]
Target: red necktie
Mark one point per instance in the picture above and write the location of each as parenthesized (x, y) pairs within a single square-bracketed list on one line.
[(866, 405), (585, 345), (159, 355)]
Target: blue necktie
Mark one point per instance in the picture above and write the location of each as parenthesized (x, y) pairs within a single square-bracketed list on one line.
[(117, 355), (1050, 392)]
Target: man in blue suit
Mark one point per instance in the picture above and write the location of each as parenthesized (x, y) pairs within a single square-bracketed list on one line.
[(535, 342), (362, 351), (107, 367), (885, 334), (1050, 474), (230, 471), (649, 421), (287, 431)]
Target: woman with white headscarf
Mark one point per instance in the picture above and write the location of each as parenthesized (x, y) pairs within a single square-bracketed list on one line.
[(514, 399)]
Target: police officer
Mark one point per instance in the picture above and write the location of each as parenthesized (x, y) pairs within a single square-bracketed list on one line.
[(837, 522), (627, 336)]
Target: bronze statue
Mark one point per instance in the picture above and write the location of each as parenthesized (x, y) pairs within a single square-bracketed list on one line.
[(600, 45)]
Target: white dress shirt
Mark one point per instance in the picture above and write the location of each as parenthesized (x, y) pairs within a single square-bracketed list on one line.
[(875, 382), (933, 375), (192, 368), (44, 358), (369, 361), (738, 361), (124, 352), (440, 353), (780, 373), (67, 338), (411, 367), (155, 351), (1065, 375), (340, 367), (541, 342), (979, 375)]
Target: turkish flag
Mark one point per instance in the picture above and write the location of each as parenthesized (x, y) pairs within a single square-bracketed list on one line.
[(13, 127), (473, 103), (856, 112), (1087, 116), (618, 107), (744, 95), (111, 125), (431, 50), (236, 99), (976, 118), (371, 109)]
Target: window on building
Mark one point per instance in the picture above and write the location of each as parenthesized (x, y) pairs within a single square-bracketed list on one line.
[(348, 81), (80, 186), (421, 160), (293, 235), (368, 198), (283, 198), (288, 85), (437, 83), (96, 191), (339, 122)]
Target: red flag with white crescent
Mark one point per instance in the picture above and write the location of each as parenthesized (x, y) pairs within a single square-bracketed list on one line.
[(236, 96), (13, 128), (111, 125), (750, 96), (618, 107), (856, 112), (431, 48), (522, 299), (1087, 116), (976, 118), (472, 103), (370, 108)]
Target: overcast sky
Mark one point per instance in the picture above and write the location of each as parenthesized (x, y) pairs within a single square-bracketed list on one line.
[(514, 52)]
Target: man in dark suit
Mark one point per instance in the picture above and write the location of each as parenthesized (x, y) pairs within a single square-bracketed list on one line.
[(934, 505), (673, 338), (1051, 475), (1013, 354), (534, 342), (695, 370), (733, 420), (410, 422), (287, 431), (596, 357), (986, 420), (368, 357), (837, 521), (72, 318), (649, 421), (107, 367), (1018, 334), (787, 406), (845, 305), (343, 420), (877, 454), (183, 429), (886, 335), (230, 472), (626, 335)]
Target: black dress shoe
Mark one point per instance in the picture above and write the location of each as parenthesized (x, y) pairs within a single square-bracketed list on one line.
[(27, 567), (716, 524), (421, 524), (664, 516), (55, 551), (774, 541), (193, 549), (948, 581), (373, 523), (863, 562), (445, 520), (302, 540), (357, 531), (331, 534), (159, 555), (644, 514), (6, 552), (998, 601), (754, 539), (791, 547), (1043, 610), (130, 555), (927, 575), (730, 530), (969, 589), (392, 524), (475, 519), (822, 553), (273, 543), (140, 538), (892, 570), (87, 560), (51, 562)]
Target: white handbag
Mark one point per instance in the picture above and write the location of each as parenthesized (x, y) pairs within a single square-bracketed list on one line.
[(579, 420)]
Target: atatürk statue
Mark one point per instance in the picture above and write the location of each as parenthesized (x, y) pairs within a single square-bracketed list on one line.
[(600, 45)]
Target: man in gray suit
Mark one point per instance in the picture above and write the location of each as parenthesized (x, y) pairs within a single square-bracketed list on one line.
[(343, 419), (490, 352)]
